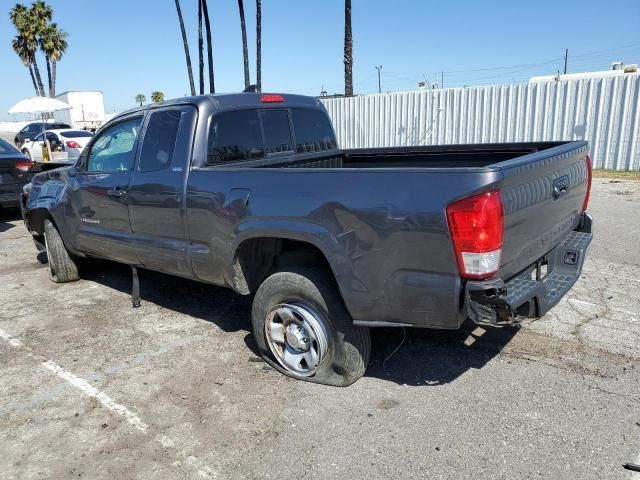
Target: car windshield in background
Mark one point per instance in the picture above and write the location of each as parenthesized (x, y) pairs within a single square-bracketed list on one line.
[(76, 134), (6, 147)]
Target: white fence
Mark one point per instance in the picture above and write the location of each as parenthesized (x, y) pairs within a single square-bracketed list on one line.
[(603, 111)]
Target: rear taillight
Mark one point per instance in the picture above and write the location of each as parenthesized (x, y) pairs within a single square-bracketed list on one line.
[(271, 99), (476, 225), (589, 177), (24, 165), (72, 144)]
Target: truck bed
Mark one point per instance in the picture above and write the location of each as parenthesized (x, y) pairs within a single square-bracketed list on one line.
[(439, 156)]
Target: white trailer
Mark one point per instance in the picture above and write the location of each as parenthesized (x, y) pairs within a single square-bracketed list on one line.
[(87, 110)]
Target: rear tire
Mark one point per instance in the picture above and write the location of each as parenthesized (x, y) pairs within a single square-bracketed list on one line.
[(62, 266), (303, 329), (27, 154)]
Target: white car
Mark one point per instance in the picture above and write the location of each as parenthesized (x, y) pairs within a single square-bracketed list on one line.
[(63, 140)]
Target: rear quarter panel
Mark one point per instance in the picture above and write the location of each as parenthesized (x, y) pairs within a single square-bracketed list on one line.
[(383, 231)]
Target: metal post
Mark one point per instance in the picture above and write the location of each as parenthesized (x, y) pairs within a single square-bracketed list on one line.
[(379, 68), (566, 58)]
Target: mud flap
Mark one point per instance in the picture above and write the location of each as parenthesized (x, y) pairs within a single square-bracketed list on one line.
[(135, 289)]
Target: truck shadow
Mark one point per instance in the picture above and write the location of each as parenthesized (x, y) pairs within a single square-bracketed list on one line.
[(434, 357), (8, 215), (425, 357)]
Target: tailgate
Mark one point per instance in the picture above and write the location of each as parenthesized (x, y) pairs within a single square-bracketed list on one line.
[(542, 196)]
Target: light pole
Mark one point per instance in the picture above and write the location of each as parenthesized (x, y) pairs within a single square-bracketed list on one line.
[(379, 68)]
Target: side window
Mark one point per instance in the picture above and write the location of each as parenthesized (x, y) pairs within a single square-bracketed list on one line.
[(160, 140), (234, 136), (313, 131), (113, 151), (277, 131)]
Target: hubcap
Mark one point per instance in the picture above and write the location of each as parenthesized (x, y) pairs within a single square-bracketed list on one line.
[(297, 337)]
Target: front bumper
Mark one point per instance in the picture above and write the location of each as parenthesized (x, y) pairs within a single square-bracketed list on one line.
[(531, 293)]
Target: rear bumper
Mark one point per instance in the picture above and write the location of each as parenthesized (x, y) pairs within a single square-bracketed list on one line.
[(531, 294), (11, 199)]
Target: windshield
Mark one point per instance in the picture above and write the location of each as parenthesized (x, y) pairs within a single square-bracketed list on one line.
[(6, 147), (76, 134)]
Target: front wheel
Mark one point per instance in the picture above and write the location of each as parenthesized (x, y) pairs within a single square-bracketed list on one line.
[(303, 329), (62, 265)]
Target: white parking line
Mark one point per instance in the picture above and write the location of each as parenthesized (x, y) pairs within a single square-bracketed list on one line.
[(134, 420), (102, 397)]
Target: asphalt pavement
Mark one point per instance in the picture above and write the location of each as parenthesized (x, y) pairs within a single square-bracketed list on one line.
[(91, 388)]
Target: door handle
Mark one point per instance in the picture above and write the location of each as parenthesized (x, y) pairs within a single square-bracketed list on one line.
[(117, 192)]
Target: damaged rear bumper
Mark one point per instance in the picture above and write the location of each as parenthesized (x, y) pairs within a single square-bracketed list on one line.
[(531, 293)]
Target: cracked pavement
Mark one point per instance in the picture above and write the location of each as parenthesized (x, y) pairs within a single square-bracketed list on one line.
[(90, 388)]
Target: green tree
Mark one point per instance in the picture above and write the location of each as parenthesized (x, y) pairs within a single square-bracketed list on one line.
[(245, 50), (185, 43), (348, 50), (19, 45), (156, 96), (35, 31), (53, 44), (140, 98)]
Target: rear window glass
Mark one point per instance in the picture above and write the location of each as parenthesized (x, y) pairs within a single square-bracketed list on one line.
[(76, 134), (235, 136), (6, 147), (160, 140), (313, 131), (277, 132)]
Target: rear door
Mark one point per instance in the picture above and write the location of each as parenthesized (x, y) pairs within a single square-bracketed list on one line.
[(35, 147), (99, 197), (542, 195), (157, 189)]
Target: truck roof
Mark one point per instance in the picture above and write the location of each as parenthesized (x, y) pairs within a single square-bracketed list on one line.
[(230, 101)]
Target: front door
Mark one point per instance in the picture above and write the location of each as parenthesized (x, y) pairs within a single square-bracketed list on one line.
[(157, 189), (99, 197)]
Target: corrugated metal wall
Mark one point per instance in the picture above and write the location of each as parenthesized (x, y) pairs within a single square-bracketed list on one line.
[(604, 111)]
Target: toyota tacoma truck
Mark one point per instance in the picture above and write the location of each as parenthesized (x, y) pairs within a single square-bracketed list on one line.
[(250, 191)]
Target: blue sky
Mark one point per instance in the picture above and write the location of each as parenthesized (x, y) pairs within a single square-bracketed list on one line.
[(129, 47)]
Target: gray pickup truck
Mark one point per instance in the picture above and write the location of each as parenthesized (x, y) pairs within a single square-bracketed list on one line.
[(250, 191)]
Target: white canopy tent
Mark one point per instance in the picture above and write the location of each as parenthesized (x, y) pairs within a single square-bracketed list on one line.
[(40, 105)]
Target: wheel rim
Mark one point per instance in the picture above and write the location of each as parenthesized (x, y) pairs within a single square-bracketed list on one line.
[(297, 337)]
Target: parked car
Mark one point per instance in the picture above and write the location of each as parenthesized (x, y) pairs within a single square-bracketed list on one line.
[(64, 140), (30, 130), (250, 191), (14, 174)]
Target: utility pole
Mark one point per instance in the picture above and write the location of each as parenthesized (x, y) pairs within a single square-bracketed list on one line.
[(379, 68), (441, 79), (566, 58)]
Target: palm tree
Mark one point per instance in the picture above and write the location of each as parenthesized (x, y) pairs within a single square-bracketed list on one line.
[(53, 44), (20, 47), (200, 49), (207, 25), (58, 47), (28, 24), (259, 45), (140, 98), (245, 51), (156, 96), (39, 16), (186, 48), (348, 50)]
